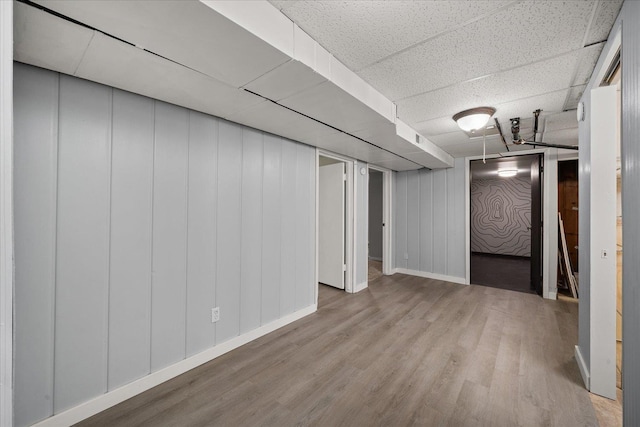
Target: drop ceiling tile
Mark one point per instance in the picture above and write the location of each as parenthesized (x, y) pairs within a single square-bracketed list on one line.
[(540, 78), (34, 44), (475, 149), (549, 103), (588, 59), (361, 33), (521, 34), (114, 63), (188, 32), (603, 21), (448, 139), (564, 120), (575, 93), (563, 136), (285, 81), (436, 126)]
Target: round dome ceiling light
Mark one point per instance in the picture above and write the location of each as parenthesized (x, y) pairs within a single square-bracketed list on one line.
[(474, 119)]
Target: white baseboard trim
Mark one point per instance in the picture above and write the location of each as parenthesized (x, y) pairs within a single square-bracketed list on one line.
[(435, 276), (360, 287), (584, 371), (112, 398), (375, 258)]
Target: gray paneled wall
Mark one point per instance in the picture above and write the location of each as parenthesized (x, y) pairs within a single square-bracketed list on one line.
[(630, 14), (133, 219), (429, 212), (501, 216)]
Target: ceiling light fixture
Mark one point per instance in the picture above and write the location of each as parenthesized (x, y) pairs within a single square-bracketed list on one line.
[(473, 119), (505, 173)]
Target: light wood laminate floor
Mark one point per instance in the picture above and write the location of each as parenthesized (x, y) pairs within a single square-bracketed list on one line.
[(405, 351)]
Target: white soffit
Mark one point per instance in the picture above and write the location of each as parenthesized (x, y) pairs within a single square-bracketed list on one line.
[(187, 32), (34, 45), (210, 53), (142, 72)]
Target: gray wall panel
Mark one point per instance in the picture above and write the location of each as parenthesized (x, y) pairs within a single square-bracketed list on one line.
[(362, 234), (229, 222), (413, 220), (288, 229), (429, 213), (309, 286), (82, 242), (401, 219), (271, 228), (201, 229), (35, 177), (169, 285), (440, 227), (138, 207), (130, 249), (456, 264), (305, 220), (426, 222), (251, 244), (630, 211)]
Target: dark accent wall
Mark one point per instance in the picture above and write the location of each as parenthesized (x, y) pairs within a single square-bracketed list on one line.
[(501, 216)]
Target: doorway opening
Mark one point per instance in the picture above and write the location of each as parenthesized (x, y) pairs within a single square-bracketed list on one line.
[(376, 225), (334, 255), (506, 223)]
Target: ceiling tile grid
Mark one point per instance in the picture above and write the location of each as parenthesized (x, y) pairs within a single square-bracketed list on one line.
[(518, 35), (360, 33)]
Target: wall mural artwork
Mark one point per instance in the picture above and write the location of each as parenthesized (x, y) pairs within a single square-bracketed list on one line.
[(501, 216)]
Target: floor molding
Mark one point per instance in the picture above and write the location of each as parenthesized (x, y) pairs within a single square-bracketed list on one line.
[(584, 371), (435, 276), (360, 287), (112, 398)]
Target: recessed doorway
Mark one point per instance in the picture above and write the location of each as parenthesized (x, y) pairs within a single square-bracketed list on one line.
[(505, 223)]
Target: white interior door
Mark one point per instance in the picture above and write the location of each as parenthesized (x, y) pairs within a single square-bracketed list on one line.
[(331, 225)]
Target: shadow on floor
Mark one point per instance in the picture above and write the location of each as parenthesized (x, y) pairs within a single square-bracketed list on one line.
[(500, 271)]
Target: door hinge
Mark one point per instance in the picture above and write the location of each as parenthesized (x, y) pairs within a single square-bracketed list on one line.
[(344, 267)]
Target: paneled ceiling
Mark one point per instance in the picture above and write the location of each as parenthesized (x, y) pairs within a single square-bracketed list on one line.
[(374, 80), (436, 58)]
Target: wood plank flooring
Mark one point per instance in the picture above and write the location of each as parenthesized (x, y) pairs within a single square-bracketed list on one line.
[(405, 351)]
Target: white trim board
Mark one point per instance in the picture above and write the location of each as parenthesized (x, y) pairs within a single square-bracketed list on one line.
[(435, 276), (360, 287), (6, 213), (584, 371), (387, 232), (112, 398)]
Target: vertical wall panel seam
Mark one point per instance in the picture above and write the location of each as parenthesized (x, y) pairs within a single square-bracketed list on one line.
[(242, 132), (262, 227), (431, 219), (151, 276), (186, 246), (55, 247), (280, 141), (295, 231), (446, 222), (217, 185), (419, 219), (109, 211)]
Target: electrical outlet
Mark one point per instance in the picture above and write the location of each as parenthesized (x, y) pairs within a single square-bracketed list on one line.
[(215, 314)]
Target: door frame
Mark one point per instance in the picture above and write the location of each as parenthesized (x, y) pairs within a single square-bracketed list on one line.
[(387, 213), (549, 216), (6, 213), (349, 214)]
